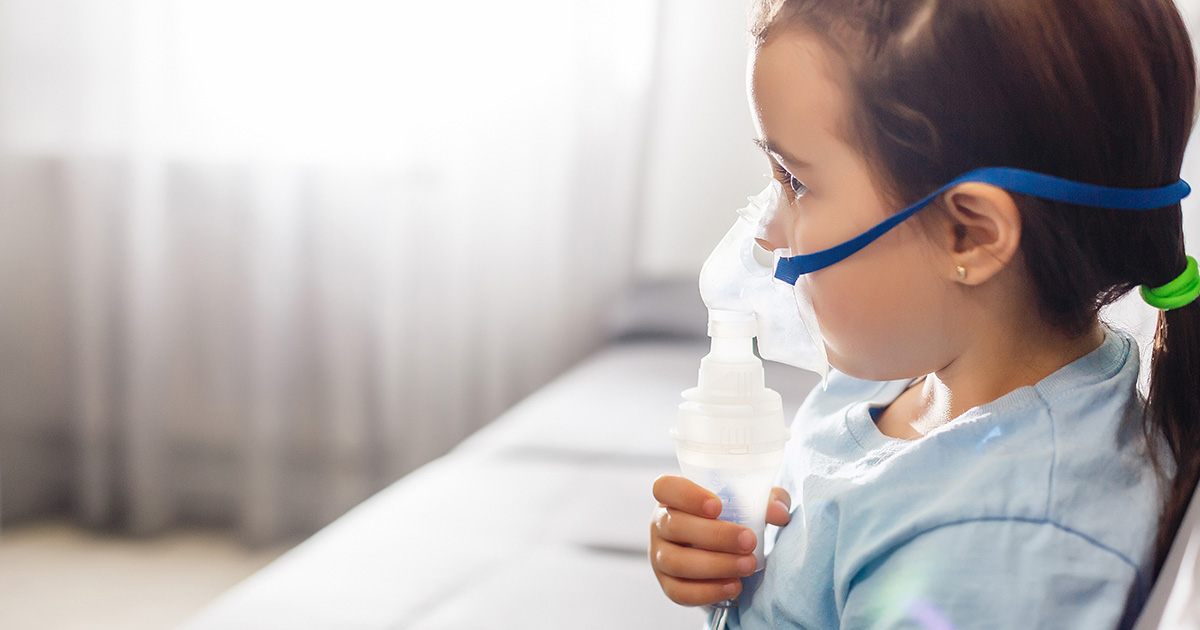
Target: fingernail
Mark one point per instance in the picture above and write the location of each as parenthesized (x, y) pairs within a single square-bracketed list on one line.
[(783, 506), (746, 564), (732, 588), (712, 507), (746, 540)]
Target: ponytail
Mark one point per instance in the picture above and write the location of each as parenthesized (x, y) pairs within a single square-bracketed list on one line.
[(1173, 416)]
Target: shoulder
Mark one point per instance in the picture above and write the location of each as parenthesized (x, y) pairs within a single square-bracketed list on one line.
[(1066, 454), (1016, 573), (1069, 451)]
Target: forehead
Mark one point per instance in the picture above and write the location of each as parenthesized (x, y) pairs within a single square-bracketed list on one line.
[(795, 94)]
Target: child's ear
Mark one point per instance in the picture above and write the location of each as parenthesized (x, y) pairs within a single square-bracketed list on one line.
[(985, 231)]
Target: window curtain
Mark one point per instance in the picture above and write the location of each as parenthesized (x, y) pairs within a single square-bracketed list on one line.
[(263, 257)]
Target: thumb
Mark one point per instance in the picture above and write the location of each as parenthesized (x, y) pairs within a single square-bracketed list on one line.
[(779, 507)]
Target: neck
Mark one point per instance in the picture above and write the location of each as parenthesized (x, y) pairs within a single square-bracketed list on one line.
[(1003, 363), (993, 367)]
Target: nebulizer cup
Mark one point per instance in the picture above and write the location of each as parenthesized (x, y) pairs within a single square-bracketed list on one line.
[(730, 433)]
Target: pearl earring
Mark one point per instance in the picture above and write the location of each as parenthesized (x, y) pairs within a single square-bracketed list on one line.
[(962, 272)]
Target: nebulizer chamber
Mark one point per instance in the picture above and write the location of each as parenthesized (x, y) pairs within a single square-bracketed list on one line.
[(730, 433)]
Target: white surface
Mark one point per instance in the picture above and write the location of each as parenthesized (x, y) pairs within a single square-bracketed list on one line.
[(55, 576), (1183, 606), (538, 521), (1174, 603)]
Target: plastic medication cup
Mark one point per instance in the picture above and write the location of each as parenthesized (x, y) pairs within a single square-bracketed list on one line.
[(730, 433)]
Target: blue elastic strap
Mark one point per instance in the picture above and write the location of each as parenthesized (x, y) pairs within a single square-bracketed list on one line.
[(1011, 179)]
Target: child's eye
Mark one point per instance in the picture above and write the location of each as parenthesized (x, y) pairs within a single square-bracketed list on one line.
[(789, 180)]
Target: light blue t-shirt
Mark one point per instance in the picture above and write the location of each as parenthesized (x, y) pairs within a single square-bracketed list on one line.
[(1036, 510)]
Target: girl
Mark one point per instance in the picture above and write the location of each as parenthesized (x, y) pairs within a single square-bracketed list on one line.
[(995, 465)]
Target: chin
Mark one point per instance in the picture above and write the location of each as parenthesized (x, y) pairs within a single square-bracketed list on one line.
[(872, 369)]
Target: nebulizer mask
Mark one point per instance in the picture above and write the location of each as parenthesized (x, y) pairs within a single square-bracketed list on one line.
[(739, 276)]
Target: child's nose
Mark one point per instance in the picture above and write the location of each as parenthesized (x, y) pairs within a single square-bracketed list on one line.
[(776, 227)]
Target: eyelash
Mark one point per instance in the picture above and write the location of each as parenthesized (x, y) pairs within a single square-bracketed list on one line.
[(798, 187)]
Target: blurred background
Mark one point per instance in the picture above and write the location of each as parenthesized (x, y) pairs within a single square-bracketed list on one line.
[(261, 258)]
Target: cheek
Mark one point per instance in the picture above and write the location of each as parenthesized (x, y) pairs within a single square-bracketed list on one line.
[(856, 312), (881, 314), (812, 230)]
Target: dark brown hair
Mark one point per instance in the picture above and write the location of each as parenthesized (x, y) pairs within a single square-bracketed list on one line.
[(1098, 91)]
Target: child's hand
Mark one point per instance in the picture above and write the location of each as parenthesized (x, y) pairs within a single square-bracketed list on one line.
[(696, 557)]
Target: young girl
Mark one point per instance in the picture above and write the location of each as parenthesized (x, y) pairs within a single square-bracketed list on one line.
[(981, 457)]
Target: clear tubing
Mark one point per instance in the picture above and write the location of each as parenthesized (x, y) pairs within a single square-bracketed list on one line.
[(719, 618)]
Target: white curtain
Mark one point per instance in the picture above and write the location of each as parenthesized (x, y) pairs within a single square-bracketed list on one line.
[(263, 257)]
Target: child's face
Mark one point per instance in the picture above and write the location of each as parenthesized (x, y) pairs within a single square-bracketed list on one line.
[(885, 312)]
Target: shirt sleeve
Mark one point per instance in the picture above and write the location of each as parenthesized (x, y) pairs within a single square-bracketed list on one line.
[(994, 574)]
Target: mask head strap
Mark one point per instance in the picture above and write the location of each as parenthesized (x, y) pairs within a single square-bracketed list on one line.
[(1011, 179)]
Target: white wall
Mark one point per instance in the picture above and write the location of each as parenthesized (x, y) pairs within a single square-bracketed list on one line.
[(701, 164), (1190, 9)]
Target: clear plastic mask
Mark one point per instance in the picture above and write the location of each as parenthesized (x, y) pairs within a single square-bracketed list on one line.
[(739, 275)]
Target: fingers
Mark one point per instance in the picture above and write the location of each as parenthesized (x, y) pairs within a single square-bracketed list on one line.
[(691, 575), (691, 563), (681, 528), (697, 558), (779, 507), (691, 593), (682, 494)]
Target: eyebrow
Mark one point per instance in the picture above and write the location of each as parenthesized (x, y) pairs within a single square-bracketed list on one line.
[(773, 149)]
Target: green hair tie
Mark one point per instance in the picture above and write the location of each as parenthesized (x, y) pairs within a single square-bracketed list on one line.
[(1179, 292)]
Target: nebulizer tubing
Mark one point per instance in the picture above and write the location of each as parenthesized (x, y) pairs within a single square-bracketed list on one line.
[(719, 618)]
